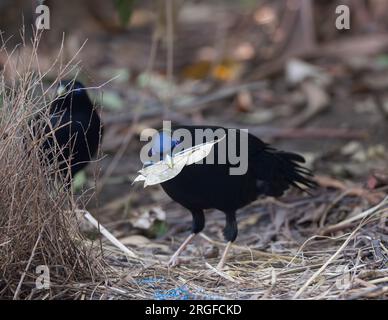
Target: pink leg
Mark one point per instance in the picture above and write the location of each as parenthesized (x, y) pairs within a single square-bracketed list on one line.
[(174, 259), (224, 256)]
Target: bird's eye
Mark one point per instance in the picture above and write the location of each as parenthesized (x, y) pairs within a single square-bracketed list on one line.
[(67, 87), (174, 143)]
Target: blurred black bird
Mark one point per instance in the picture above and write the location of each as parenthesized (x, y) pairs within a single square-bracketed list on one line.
[(211, 186), (74, 130)]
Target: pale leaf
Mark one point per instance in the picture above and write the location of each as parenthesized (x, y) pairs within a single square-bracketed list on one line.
[(171, 166)]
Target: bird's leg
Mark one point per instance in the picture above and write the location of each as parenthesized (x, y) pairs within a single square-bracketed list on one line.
[(221, 264), (174, 258), (230, 234), (197, 226)]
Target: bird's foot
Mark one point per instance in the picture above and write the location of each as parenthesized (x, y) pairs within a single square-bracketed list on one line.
[(174, 261), (220, 265)]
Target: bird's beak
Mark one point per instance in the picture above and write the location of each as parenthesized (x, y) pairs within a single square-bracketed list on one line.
[(147, 164), (168, 160), (61, 90)]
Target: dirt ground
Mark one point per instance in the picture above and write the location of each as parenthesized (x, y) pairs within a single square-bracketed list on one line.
[(327, 100)]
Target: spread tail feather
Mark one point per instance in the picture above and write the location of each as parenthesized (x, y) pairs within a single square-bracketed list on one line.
[(283, 170)]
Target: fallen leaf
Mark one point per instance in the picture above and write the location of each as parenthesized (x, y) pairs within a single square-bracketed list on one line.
[(227, 70), (372, 183), (244, 101), (135, 240), (259, 117), (265, 15), (145, 220), (160, 172), (298, 71), (197, 71), (318, 100), (244, 51), (351, 148), (170, 167)]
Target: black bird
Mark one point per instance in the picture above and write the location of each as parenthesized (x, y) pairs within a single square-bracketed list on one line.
[(74, 129), (211, 186)]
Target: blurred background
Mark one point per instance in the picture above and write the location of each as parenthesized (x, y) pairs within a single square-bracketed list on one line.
[(279, 68)]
